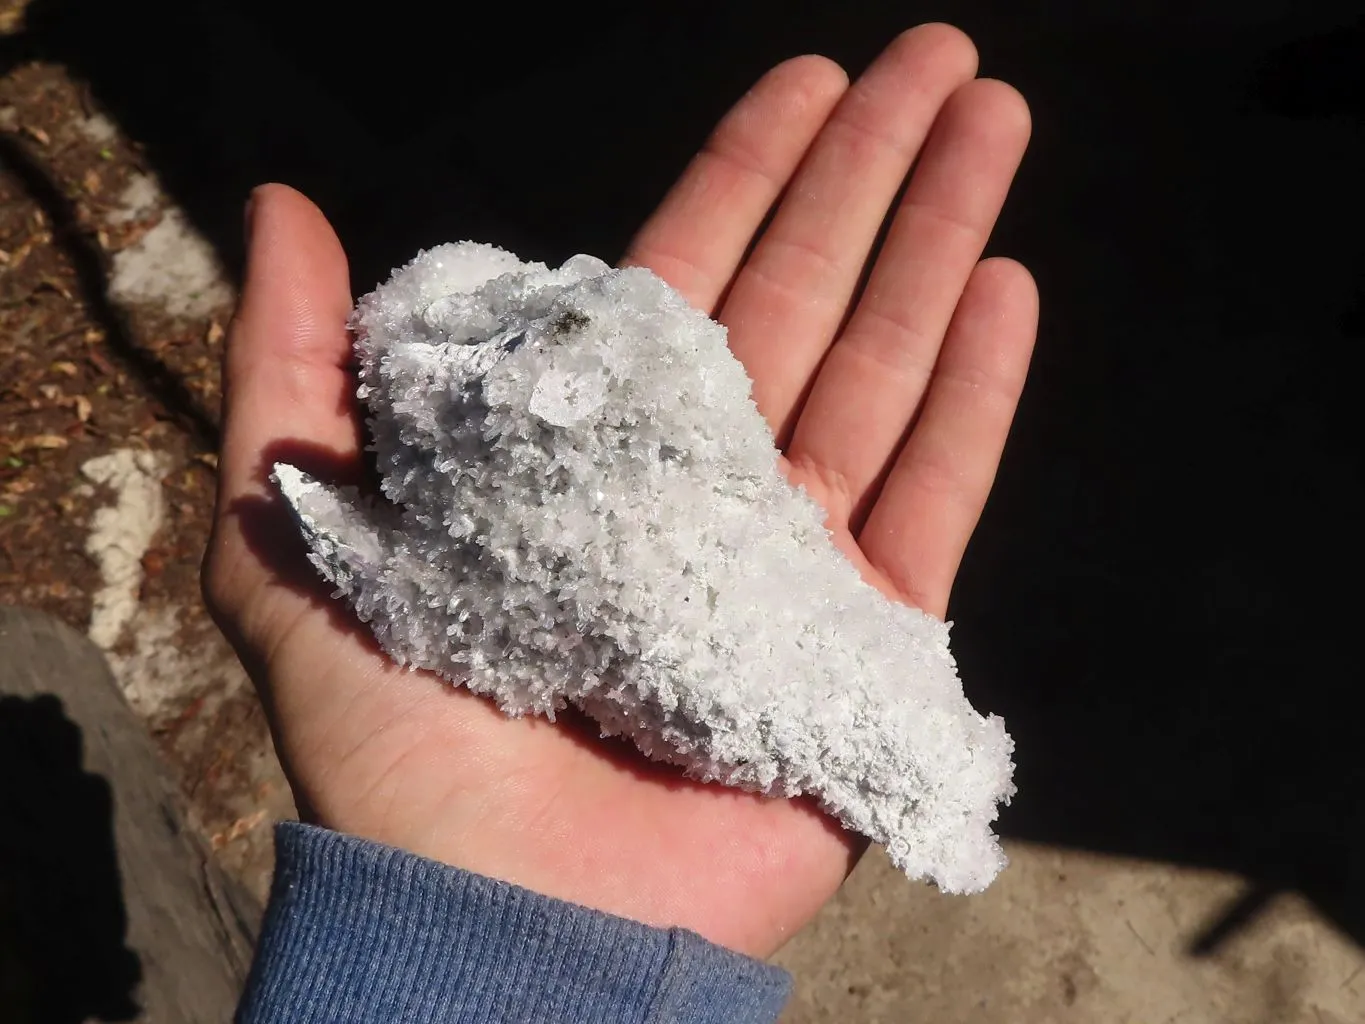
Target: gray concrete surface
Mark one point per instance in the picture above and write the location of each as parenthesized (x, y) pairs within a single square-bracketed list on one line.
[(1067, 937)]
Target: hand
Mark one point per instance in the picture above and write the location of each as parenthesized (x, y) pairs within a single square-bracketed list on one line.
[(891, 406)]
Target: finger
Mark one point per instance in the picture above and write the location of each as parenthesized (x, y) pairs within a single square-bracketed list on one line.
[(700, 232), (871, 384), (788, 300), (287, 393), (930, 504)]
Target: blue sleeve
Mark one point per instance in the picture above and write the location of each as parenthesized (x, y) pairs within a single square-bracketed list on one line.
[(358, 933)]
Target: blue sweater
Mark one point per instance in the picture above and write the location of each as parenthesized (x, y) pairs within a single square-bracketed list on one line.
[(358, 933)]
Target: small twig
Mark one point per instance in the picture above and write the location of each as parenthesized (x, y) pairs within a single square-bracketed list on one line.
[(1140, 939)]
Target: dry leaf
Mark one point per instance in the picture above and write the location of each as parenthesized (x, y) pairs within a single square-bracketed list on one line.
[(83, 408), (93, 335), (37, 135), (17, 256), (91, 181), (51, 392), (42, 441), (209, 459), (237, 829), (215, 333), (65, 368), (53, 284)]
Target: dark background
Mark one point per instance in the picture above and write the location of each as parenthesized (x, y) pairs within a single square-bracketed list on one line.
[(1163, 599)]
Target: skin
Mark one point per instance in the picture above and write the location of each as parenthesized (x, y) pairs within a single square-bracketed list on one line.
[(891, 407)]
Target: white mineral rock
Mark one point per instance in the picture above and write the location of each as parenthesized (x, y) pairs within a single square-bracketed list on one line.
[(585, 508)]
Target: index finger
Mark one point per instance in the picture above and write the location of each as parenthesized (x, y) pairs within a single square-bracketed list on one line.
[(702, 229)]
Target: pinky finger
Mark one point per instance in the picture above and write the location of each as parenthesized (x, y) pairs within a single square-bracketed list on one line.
[(934, 495)]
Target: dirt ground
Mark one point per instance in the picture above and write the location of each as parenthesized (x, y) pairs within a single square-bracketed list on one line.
[(100, 360)]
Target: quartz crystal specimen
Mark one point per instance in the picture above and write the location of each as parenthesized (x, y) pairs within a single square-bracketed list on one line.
[(582, 506)]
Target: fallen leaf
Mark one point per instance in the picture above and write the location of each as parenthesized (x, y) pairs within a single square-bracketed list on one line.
[(91, 181), (100, 363), (37, 134), (237, 829), (40, 441), (65, 368), (83, 408), (52, 284), (51, 392), (215, 333), (17, 256), (209, 459)]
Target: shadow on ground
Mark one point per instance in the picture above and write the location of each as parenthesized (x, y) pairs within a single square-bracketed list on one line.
[(62, 922), (1162, 599)]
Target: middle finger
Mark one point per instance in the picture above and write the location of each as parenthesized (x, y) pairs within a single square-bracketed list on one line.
[(788, 301)]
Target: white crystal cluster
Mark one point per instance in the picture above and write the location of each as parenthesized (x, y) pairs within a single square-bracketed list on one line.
[(584, 507)]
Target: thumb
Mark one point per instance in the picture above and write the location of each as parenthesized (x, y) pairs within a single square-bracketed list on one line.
[(288, 395)]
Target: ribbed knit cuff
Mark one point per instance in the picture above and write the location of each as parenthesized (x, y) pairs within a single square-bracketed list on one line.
[(363, 933)]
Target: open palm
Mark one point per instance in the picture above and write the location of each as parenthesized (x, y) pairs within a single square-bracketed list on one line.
[(890, 392)]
